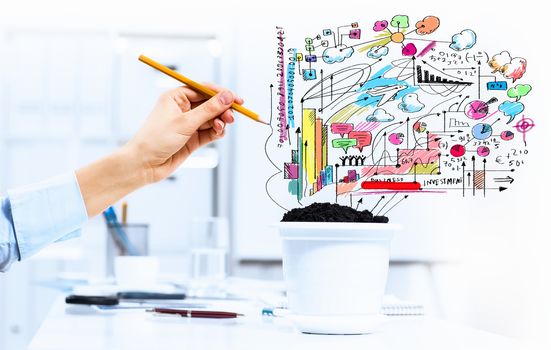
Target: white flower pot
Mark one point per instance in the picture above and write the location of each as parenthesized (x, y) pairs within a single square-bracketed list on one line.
[(336, 274)]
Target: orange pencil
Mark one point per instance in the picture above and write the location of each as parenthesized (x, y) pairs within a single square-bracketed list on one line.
[(198, 87)]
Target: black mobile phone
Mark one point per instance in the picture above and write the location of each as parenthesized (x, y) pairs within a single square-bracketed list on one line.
[(91, 300)]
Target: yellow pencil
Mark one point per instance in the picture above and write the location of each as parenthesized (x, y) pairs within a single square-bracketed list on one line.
[(198, 87)]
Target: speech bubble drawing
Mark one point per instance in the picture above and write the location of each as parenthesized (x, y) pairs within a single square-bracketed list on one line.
[(344, 143), (341, 128), (363, 138), (511, 109), (519, 91)]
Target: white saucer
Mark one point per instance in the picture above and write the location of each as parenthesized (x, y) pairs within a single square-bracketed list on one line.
[(358, 324)]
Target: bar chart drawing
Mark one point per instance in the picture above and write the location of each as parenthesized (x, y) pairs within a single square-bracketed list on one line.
[(436, 82), (425, 77)]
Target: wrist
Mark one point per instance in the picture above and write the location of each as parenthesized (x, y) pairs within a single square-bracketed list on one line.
[(133, 168), (109, 179)]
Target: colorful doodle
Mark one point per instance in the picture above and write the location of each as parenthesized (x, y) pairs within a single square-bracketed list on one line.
[(386, 107)]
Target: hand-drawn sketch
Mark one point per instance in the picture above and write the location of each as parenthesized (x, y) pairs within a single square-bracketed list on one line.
[(393, 108)]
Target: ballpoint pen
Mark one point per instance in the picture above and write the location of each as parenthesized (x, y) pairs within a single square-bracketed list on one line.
[(195, 313)]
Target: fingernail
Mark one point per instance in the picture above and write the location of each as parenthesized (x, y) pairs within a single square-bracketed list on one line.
[(225, 97), (221, 128)]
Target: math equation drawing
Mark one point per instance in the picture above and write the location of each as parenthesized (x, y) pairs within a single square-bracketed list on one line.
[(394, 107)]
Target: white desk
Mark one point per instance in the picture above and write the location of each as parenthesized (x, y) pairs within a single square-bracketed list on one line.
[(68, 328)]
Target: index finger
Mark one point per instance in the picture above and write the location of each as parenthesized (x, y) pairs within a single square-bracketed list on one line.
[(196, 96), (219, 88)]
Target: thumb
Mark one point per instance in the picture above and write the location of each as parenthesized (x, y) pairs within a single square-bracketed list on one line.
[(210, 109)]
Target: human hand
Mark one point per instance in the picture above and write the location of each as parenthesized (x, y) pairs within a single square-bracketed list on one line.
[(182, 121)]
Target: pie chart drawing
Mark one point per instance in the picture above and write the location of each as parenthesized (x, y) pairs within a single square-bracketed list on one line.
[(482, 131), (457, 150), (507, 135), (476, 109), (420, 127), (483, 151), (396, 138)]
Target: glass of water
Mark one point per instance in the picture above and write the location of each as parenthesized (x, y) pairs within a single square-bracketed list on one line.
[(209, 244)]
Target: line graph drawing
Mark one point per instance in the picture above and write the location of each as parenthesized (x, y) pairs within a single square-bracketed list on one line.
[(394, 106)]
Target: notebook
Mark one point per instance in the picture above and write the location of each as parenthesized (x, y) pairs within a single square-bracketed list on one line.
[(393, 306)]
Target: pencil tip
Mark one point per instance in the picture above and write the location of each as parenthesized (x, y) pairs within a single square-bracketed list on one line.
[(263, 122)]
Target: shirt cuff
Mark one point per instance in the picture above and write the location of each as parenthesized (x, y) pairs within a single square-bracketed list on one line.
[(46, 212)]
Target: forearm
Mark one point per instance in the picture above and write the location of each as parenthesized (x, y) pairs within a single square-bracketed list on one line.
[(34, 216), (109, 179)]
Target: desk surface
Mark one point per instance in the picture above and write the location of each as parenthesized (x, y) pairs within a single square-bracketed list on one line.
[(80, 327)]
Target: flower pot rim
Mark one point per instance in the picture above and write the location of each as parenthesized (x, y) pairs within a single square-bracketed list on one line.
[(336, 231), (345, 226)]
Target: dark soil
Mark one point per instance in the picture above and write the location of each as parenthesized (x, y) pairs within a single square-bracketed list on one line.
[(329, 212)]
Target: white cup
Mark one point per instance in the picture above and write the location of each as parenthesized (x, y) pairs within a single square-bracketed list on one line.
[(335, 274), (136, 271)]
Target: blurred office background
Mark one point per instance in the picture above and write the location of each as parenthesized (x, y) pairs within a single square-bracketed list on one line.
[(72, 90)]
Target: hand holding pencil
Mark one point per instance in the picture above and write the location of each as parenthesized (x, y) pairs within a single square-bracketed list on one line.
[(182, 121), (202, 88)]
